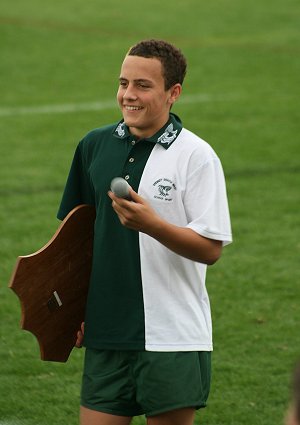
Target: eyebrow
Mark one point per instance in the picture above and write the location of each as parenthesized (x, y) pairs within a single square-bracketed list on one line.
[(138, 80)]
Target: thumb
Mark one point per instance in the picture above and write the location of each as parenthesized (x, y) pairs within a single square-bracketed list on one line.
[(135, 197)]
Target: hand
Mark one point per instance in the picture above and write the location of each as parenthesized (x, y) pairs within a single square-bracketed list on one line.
[(138, 215), (135, 214), (80, 334)]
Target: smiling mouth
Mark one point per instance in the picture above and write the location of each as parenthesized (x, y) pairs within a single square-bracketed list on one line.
[(133, 108)]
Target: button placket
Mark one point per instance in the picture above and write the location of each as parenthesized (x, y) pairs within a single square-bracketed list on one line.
[(129, 166)]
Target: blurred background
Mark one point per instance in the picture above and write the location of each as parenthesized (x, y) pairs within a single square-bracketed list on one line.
[(59, 70)]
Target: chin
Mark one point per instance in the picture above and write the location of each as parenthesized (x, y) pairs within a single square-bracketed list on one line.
[(129, 121)]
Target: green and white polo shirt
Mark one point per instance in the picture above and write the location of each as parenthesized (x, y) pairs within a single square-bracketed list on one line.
[(143, 296)]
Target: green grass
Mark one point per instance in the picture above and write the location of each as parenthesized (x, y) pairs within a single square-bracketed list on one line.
[(246, 58)]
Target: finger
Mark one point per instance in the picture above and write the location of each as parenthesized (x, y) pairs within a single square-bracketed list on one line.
[(80, 334), (124, 203), (79, 340), (119, 209), (136, 197)]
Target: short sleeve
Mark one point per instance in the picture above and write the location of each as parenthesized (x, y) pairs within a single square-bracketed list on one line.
[(206, 202), (78, 189)]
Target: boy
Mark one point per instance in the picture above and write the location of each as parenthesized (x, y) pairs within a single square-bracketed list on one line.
[(148, 326)]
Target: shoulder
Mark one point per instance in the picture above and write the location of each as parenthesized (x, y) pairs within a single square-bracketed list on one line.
[(97, 134), (196, 143), (195, 147), (95, 137)]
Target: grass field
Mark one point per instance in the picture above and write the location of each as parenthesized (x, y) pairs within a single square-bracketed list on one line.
[(58, 77)]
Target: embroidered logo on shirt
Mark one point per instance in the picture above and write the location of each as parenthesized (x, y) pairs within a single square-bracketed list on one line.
[(168, 136), (163, 189), (120, 129)]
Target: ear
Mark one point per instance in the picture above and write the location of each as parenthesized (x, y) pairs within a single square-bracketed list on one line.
[(175, 92)]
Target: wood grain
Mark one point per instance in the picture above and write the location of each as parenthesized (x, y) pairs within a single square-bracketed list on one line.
[(52, 285)]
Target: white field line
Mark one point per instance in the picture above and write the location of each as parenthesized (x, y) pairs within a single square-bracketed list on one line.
[(10, 423), (98, 106), (57, 109)]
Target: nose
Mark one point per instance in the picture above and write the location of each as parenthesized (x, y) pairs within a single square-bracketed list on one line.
[(129, 93)]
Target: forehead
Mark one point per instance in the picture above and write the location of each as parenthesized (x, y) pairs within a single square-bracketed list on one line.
[(139, 68)]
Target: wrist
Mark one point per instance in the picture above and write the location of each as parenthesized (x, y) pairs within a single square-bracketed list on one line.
[(157, 227)]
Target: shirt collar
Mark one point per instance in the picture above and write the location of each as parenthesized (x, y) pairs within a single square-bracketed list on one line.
[(164, 137)]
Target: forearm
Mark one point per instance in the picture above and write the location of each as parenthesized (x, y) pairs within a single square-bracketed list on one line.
[(138, 215), (186, 242)]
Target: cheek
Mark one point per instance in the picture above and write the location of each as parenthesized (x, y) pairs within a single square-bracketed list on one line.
[(160, 104), (119, 96)]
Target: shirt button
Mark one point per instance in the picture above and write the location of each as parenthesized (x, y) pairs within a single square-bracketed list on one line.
[(131, 159), (133, 142), (126, 177)]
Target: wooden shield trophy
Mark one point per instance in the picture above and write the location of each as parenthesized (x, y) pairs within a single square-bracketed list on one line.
[(52, 285)]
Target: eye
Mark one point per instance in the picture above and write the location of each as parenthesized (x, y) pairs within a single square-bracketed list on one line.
[(144, 85), (123, 83)]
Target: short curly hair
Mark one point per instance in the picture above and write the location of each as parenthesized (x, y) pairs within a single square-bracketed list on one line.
[(173, 61)]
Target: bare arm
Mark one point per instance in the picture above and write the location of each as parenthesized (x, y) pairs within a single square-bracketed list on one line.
[(138, 215)]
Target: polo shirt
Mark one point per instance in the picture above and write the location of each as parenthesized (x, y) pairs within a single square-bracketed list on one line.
[(142, 296)]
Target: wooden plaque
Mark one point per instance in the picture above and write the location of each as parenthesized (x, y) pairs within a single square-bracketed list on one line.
[(52, 285)]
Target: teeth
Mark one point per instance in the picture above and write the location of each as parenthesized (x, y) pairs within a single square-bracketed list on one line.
[(133, 108)]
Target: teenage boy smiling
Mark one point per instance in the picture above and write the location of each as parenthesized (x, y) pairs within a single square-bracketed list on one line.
[(142, 96), (148, 325)]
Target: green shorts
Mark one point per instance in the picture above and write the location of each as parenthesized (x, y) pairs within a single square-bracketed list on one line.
[(132, 383)]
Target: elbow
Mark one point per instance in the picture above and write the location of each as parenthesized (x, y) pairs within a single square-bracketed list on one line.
[(212, 260), (213, 254), (209, 259)]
